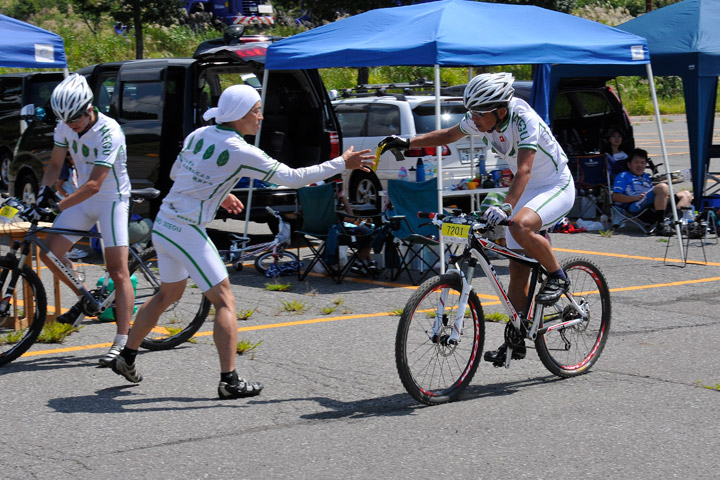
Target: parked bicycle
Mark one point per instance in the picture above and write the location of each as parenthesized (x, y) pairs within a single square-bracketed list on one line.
[(272, 258), (23, 307), (441, 333)]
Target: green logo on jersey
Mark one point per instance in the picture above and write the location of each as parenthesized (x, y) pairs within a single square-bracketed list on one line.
[(95, 151), (85, 151), (223, 158), (209, 152), (198, 147), (190, 143), (74, 146)]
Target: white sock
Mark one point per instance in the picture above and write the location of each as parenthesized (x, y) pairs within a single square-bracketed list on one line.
[(121, 340)]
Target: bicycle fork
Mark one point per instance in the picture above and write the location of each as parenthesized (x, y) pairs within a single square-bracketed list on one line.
[(440, 315)]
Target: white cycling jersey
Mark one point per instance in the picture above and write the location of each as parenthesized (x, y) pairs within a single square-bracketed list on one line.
[(213, 160), (523, 128), (102, 145)]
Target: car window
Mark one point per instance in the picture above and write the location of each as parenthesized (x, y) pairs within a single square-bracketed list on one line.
[(383, 120), (39, 93), (593, 103), (424, 115), (106, 91), (563, 110), (141, 100), (10, 90), (353, 119)]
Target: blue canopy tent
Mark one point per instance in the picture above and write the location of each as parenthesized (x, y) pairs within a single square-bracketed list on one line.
[(458, 33), (26, 46), (691, 51)]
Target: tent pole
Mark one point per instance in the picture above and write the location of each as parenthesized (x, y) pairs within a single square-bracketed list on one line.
[(251, 183), (438, 154), (671, 192)]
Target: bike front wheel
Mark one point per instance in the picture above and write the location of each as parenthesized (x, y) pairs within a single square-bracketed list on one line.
[(432, 369), (24, 318), (572, 350), (179, 321), (285, 260)]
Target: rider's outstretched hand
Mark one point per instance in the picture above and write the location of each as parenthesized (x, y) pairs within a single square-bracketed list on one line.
[(394, 144)]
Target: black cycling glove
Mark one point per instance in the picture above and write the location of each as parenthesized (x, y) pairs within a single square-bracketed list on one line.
[(47, 198), (394, 144)]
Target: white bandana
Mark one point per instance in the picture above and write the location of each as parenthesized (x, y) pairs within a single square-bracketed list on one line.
[(235, 102)]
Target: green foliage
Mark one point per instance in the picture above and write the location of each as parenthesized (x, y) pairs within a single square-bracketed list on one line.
[(278, 287), (54, 332), (497, 317), (244, 346), (294, 306)]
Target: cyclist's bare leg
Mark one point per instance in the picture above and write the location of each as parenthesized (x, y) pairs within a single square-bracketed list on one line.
[(117, 267), (526, 224), (59, 245), (149, 313), (225, 332), (519, 285)]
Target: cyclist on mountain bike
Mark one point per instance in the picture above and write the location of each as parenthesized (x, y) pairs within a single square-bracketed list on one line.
[(541, 193), (211, 163), (96, 144)]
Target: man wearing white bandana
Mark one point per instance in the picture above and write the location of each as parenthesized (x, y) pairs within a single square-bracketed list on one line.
[(210, 164)]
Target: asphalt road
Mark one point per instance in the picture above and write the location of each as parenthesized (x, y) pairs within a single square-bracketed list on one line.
[(334, 407)]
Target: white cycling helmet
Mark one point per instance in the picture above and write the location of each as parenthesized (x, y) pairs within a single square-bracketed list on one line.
[(488, 91), (70, 97)]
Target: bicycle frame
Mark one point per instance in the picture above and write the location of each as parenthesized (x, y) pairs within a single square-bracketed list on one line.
[(474, 253)]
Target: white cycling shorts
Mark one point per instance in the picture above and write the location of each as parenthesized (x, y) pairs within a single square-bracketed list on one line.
[(110, 215), (552, 203), (186, 251)]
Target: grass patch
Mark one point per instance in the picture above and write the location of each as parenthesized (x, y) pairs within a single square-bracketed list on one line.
[(246, 346), (607, 233), (294, 306), (715, 387), (497, 317), (245, 314), (331, 308), (278, 287), (397, 311), (54, 332), (12, 337)]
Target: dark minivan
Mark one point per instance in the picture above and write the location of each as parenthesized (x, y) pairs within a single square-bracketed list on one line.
[(18, 92)]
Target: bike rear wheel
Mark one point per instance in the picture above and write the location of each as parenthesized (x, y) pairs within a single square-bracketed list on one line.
[(571, 351), (29, 305), (179, 321), (438, 372), (285, 260)]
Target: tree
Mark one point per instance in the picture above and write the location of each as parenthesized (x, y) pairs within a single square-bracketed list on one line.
[(134, 13)]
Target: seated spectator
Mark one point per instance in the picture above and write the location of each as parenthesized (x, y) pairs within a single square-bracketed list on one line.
[(613, 144), (634, 191)]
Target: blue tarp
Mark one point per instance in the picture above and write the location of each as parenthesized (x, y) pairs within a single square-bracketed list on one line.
[(684, 40), (26, 46), (457, 32)]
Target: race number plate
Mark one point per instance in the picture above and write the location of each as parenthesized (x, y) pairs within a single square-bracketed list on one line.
[(7, 213), (453, 233)]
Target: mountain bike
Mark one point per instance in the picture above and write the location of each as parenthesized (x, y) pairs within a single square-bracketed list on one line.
[(440, 336), (272, 258), (23, 304)]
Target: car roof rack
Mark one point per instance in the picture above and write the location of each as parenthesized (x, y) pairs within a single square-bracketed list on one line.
[(417, 87)]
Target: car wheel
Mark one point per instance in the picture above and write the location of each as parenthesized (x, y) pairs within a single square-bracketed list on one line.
[(5, 159), (27, 188), (365, 190)]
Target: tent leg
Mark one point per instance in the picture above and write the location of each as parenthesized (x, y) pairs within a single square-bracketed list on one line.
[(251, 184), (438, 153), (671, 191)]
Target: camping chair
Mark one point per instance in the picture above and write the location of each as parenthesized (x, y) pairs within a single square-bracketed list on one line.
[(324, 224), (415, 240), (620, 215), (593, 194)]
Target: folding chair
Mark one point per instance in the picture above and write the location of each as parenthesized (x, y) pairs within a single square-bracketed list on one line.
[(323, 224), (593, 193), (418, 238), (619, 214)]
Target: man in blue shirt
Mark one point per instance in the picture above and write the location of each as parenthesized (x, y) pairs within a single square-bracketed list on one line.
[(634, 191)]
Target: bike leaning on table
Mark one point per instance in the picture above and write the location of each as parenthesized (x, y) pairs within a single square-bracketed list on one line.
[(23, 300), (440, 336)]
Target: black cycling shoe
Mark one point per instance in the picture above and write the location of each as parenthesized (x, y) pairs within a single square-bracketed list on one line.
[(552, 290), (69, 317), (241, 389), (497, 357)]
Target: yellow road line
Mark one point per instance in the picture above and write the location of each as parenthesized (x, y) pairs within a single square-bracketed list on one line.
[(493, 301)]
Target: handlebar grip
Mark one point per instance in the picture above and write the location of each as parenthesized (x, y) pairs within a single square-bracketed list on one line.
[(431, 215)]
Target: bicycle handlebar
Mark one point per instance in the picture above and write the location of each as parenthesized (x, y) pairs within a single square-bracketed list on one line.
[(437, 218)]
